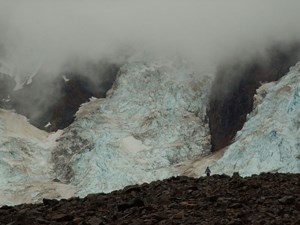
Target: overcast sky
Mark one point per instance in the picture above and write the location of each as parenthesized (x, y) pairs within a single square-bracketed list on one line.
[(53, 32)]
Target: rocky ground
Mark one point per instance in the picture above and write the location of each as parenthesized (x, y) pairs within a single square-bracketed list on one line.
[(260, 199)]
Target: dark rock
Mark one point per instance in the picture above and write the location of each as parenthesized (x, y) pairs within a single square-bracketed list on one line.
[(50, 202), (135, 188), (215, 201), (236, 175), (235, 222), (42, 221), (137, 202), (56, 180), (179, 215), (6, 207), (213, 198), (287, 200), (59, 104), (235, 205), (95, 221), (61, 217), (235, 85)]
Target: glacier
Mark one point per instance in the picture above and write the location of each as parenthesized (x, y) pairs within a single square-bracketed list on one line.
[(153, 124), (269, 140), (25, 167), (153, 118)]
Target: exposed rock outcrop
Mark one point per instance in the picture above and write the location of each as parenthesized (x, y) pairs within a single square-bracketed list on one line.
[(216, 200), (6, 88)]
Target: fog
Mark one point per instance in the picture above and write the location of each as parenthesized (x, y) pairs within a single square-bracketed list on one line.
[(52, 37), (48, 34)]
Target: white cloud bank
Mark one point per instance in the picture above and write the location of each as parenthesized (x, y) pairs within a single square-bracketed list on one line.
[(52, 33)]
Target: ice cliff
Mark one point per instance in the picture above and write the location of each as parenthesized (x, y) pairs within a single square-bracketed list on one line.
[(153, 118), (270, 139)]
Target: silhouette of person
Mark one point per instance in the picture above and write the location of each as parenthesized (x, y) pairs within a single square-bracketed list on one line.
[(207, 171)]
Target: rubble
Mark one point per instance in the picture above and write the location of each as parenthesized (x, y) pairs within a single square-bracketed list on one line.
[(219, 199)]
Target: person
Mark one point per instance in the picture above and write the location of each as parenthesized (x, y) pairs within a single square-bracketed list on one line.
[(207, 171)]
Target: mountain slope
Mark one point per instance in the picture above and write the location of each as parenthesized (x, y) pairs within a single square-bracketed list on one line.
[(270, 139), (152, 125), (218, 199)]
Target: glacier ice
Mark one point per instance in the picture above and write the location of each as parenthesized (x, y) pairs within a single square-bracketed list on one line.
[(270, 139), (153, 118), (152, 124), (25, 168)]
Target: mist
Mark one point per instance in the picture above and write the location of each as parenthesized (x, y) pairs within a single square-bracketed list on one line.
[(51, 38), (49, 34)]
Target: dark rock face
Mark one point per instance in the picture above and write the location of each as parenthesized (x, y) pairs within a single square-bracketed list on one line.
[(261, 199), (36, 100), (235, 86), (7, 85), (57, 100), (76, 91)]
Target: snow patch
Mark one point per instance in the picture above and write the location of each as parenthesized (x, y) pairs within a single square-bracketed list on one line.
[(47, 125), (132, 145), (65, 78)]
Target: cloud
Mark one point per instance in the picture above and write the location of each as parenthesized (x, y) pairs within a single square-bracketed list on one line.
[(53, 37), (48, 34)]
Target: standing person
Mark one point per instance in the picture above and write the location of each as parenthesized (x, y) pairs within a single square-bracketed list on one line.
[(207, 171)]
